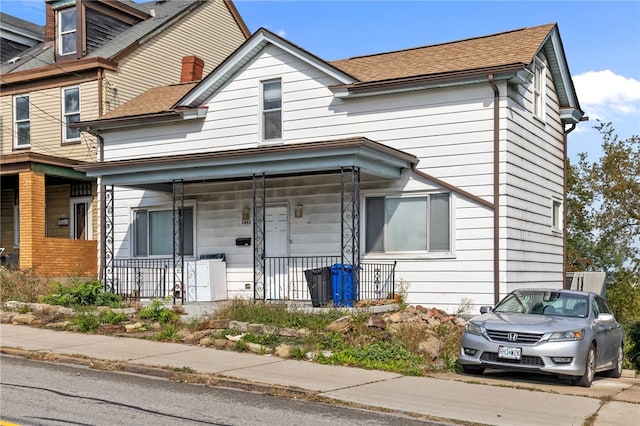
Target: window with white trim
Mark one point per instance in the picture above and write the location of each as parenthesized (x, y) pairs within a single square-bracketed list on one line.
[(67, 31), (80, 223), (271, 110), (16, 226), (539, 83), (417, 223), (556, 214), (21, 121), (153, 232), (70, 113)]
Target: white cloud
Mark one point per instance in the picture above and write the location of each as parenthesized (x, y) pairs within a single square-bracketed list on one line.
[(605, 95)]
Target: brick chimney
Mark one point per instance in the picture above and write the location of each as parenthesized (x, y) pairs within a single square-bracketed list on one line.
[(50, 23), (192, 68)]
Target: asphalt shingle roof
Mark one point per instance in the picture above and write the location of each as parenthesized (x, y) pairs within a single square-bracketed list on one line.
[(154, 100)]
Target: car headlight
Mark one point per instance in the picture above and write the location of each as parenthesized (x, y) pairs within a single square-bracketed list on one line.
[(567, 335), (474, 329)]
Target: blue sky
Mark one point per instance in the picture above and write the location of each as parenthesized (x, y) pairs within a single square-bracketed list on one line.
[(601, 40)]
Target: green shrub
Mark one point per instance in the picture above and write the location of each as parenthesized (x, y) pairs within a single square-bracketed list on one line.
[(74, 293), (169, 332), (106, 298), (110, 317), (158, 311), (87, 321), (632, 349), (623, 297)]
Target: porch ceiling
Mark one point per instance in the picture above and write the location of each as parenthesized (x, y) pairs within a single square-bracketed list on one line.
[(371, 157)]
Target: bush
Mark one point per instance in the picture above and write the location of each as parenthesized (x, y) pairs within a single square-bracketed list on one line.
[(623, 297), (158, 311), (73, 293), (632, 349), (21, 285)]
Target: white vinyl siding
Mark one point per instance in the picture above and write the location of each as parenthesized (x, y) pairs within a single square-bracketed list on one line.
[(21, 122)]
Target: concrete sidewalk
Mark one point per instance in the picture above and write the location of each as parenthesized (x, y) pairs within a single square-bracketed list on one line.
[(452, 397)]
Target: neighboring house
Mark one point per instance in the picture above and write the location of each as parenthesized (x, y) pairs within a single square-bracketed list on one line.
[(436, 171), (96, 55), (16, 36)]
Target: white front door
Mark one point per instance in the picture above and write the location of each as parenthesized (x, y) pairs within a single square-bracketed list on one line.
[(276, 243)]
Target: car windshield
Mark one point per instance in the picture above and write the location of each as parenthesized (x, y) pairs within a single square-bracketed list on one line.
[(544, 303)]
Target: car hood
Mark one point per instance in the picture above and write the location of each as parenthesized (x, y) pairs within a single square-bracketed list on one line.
[(528, 322)]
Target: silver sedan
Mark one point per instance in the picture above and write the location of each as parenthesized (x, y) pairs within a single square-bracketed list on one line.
[(562, 332)]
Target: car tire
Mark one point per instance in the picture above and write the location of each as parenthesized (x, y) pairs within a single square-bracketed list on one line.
[(589, 369), (470, 369), (616, 372)]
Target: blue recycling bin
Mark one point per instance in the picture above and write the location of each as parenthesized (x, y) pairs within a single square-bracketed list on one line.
[(344, 285)]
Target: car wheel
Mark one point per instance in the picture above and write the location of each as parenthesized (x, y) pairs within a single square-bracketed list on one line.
[(616, 372), (469, 369), (589, 369)]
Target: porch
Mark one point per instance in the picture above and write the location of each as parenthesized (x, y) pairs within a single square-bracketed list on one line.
[(319, 280)]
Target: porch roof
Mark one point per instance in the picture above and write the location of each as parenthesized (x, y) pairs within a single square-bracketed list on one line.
[(371, 157)]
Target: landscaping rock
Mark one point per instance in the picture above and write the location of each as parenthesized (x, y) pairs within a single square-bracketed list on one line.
[(430, 347), (23, 319), (341, 325), (376, 321)]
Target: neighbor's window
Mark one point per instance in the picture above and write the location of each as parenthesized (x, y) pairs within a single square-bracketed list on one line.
[(556, 214), (272, 110), (67, 31), (80, 224), (70, 113), (153, 232), (16, 226), (21, 121), (408, 224), (538, 88)]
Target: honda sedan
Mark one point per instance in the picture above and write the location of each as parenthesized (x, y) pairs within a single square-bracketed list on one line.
[(562, 332)]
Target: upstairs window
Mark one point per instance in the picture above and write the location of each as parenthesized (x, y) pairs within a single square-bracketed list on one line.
[(408, 224), (21, 122), (67, 31), (70, 113), (539, 84), (272, 110)]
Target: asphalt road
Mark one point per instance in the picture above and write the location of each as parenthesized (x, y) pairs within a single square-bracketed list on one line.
[(42, 393)]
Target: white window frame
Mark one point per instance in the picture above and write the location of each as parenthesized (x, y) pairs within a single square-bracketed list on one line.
[(539, 88), (556, 214), (88, 202), (17, 121), (264, 111), (158, 208), (408, 253), (61, 33), (65, 114)]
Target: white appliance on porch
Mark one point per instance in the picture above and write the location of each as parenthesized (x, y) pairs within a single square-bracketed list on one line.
[(209, 282)]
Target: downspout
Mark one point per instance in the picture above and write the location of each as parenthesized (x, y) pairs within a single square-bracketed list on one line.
[(564, 203), (496, 189), (101, 190)]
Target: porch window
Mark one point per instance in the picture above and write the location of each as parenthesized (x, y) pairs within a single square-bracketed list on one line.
[(272, 110), (538, 88), (408, 224), (80, 228), (16, 226), (21, 121), (67, 31), (70, 113), (153, 232)]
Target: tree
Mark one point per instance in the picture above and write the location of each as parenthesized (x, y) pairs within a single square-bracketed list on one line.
[(603, 207)]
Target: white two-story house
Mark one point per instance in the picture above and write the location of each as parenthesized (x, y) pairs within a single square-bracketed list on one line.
[(436, 172)]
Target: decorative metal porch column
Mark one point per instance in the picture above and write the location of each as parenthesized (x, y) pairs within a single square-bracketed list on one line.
[(107, 239), (178, 241), (350, 224), (259, 210)]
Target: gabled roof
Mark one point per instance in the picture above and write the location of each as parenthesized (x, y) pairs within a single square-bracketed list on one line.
[(29, 28), (505, 55), (163, 15)]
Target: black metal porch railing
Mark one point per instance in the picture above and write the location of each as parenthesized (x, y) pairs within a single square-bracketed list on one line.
[(307, 278), (136, 279)]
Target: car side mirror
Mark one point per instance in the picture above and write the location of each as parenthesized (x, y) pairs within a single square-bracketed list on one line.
[(485, 309), (605, 317)]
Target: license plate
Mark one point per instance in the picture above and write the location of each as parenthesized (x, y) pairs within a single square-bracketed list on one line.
[(509, 352)]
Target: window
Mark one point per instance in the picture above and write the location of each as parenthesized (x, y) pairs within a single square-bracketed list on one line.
[(16, 226), (272, 110), (22, 121), (538, 88), (410, 224), (70, 113), (80, 223), (556, 214), (67, 31), (153, 232)]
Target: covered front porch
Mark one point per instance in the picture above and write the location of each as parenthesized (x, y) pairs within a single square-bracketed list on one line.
[(276, 223)]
